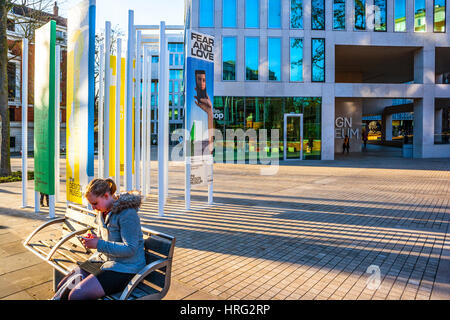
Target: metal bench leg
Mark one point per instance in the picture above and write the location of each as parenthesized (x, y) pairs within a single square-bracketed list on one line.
[(57, 277)]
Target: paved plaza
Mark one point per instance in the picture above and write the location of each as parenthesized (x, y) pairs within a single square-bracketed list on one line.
[(315, 230)]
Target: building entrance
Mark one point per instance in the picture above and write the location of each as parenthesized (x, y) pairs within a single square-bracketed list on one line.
[(293, 137)]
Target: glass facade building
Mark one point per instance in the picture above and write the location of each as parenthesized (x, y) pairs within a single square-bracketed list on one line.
[(282, 57)]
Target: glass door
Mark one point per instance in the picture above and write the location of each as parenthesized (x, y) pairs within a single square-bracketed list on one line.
[(293, 137)]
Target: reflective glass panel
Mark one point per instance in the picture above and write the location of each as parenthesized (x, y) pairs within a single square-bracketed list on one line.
[(251, 58), (296, 14), (296, 59), (439, 15), (318, 14), (360, 14), (318, 60), (252, 13), (274, 13), (399, 15), (229, 58), (206, 13), (419, 16), (380, 15), (274, 54), (339, 15), (229, 13)]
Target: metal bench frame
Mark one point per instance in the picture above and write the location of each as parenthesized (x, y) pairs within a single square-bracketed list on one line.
[(157, 244)]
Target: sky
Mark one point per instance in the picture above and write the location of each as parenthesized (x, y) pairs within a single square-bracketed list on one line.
[(148, 12)]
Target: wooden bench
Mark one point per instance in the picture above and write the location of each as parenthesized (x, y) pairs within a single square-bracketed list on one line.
[(64, 252)]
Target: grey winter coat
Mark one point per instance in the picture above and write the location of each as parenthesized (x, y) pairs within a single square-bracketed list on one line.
[(121, 240)]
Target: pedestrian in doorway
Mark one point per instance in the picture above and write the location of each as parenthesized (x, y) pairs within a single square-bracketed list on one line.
[(365, 138), (43, 195), (346, 145)]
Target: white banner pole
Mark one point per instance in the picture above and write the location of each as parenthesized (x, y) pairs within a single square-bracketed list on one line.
[(144, 123), (24, 122), (107, 106), (118, 90), (149, 122), (57, 121), (137, 114), (162, 111), (100, 112), (129, 105)]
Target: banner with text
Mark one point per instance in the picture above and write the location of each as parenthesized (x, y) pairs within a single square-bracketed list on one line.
[(44, 108), (199, 80), (80, 99)]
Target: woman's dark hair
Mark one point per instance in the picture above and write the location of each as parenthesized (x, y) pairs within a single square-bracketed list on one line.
[(98, 187)]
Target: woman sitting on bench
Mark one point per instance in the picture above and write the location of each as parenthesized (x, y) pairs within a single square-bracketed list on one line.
[(120, 242)]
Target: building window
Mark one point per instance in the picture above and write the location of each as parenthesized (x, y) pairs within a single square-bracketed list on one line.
[(420, 16), (400, 15), (11, 25), (274, 54), (155, 59), (339, 15), (360, 14), (12, 142), (11, 81), (274, 14), (206, 13), (252, 13), (318, 60), (229, 13), (380, 15), (12, 114), (296, 14), (251, 58), (318, 14), (296, 54), (439, 15), (229, 58)]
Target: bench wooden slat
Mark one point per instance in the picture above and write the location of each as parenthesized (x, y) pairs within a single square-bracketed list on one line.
[(157, 278), (82, 217), (158, 245)]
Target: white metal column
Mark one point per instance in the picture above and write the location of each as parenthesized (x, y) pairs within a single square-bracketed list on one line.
[(117, 130), (129, 105), (24, 122)]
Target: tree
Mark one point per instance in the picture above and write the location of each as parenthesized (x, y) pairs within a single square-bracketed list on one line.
[(29, 15)]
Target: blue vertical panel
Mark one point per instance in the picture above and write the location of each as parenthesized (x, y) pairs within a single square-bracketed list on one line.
[(206, 13), (229, 58), (274, 14), (274, 54), (318, 60), (252, 13), (229, 13), (296, 58), (318, 14), (251, 58), (296, 14)]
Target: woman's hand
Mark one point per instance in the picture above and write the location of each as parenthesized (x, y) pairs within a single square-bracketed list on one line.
[(90, 243)]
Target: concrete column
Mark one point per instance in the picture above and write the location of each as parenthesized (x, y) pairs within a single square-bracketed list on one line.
[(329, 15), (329, 60), (390, 16), (307, 15), (328, 119), (388, 127), (410, 16), (349, 15), (429, 15), (424, 126), (438, 124)]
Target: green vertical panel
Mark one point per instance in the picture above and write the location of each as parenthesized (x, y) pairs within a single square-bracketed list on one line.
[(44, 109)]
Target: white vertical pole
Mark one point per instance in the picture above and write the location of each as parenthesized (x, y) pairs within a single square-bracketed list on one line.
[(137, 114), (107, 100), (144, 123), (118, 90), (100, 112), (149, 122), (57, 121), (24, 121), (162, 111), (37, 204), (129, 104), (51, 206)]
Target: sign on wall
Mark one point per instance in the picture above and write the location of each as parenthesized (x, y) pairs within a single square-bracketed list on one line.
[(80, 99), (199, 82), (44, 109)]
